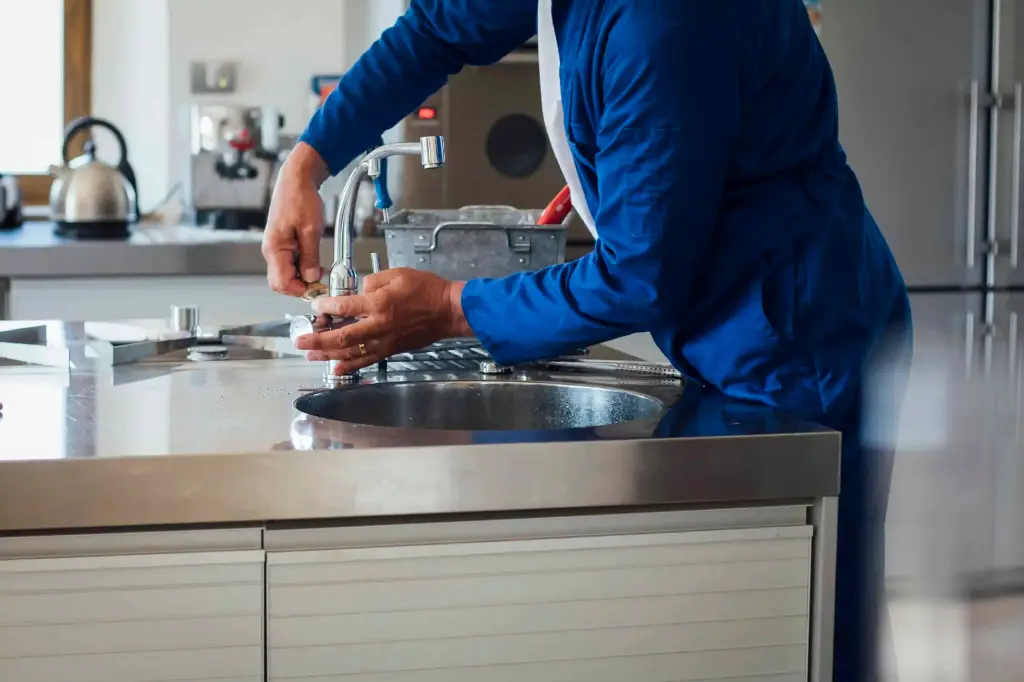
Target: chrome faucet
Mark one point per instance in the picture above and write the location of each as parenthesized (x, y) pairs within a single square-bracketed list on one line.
[(343, 280)]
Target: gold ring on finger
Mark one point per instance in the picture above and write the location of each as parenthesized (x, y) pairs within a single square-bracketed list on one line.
[(362, 349)]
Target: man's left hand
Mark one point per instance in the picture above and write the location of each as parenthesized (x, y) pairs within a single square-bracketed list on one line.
[(400, 310)]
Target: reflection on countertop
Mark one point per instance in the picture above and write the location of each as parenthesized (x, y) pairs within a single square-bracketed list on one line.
[(167, 443), (168, 406)]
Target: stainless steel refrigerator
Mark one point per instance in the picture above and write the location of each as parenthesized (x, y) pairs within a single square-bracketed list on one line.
[(931, 114)]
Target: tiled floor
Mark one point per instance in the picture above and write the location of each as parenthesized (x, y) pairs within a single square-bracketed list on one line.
[(958, 641), (997, 640)]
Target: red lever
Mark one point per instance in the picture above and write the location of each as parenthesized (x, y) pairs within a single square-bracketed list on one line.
[(242, 142), (558, 210)]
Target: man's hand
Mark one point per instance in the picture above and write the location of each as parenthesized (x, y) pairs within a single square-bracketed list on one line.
[(400, 310), (291, 241)]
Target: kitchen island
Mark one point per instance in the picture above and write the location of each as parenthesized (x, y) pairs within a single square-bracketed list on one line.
[(184, 521)]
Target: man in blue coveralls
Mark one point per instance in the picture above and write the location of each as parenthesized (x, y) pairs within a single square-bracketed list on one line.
[(700, 141)]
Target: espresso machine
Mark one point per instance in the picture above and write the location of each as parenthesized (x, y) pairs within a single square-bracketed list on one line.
[(234, 155)]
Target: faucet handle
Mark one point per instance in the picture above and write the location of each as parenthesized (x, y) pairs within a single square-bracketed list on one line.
[(380, 185)]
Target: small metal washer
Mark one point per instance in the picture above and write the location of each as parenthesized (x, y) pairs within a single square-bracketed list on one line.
[(489, 367), (207, 353)]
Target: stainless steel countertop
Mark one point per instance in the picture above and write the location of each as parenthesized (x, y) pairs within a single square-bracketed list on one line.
[(156, 249), (213, 443)]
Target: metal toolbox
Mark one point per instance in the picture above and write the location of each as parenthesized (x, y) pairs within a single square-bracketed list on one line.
[(473, 241)]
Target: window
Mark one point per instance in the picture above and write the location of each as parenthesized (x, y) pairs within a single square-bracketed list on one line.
[(45, 63)]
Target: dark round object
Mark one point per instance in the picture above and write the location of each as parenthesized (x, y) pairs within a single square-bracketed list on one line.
[(517, 146), (12, 220)]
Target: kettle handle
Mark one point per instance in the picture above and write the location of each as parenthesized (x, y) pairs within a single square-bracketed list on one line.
[(87, 122)]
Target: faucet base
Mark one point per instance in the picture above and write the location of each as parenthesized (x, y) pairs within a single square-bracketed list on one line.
[(334, 380), (491, 368)]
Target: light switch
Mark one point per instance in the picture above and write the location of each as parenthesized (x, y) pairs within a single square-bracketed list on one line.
[(213, 77)]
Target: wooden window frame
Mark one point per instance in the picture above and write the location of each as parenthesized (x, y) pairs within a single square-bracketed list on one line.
[(77, 86)]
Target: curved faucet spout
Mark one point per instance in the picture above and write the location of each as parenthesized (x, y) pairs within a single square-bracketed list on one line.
[(343, 275), (432, 155), (343, 280)]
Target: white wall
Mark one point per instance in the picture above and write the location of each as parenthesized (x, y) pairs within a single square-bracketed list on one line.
[(380, 16), (131, 68), (143, 49)]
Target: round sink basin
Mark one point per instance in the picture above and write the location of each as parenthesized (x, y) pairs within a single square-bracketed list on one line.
[(480, 406)]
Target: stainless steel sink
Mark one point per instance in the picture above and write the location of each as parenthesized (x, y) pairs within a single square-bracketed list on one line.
[(474, 405)]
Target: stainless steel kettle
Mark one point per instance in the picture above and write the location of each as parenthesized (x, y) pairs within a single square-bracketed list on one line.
[(89, 198)]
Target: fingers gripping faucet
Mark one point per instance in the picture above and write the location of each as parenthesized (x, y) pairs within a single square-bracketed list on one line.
[(343, 280)]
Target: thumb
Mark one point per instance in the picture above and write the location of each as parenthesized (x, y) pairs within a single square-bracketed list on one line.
[(309, 254)]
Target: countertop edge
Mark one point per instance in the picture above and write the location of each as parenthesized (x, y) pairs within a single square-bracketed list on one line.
[(124, 259), (203, 490)]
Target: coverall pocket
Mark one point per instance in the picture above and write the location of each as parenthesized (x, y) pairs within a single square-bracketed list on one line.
[(746, 354)]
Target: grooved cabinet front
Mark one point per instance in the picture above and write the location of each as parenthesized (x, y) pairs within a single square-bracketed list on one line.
[(647, 607), (149, 618)]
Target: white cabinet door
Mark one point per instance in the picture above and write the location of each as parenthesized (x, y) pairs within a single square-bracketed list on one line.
[(145, 618), (651, 607), (223, 300)]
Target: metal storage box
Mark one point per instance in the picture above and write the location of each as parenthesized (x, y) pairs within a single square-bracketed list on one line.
[(473, 242)]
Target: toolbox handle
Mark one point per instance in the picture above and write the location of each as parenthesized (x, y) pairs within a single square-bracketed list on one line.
[(494, 208), (490, 207), (520, 245)]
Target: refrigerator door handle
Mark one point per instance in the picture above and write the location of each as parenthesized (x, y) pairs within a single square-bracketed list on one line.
[(1016, 372), (969, 336), (1018, 401), (1018, 124), (972, 174), (1012, 343), (988, 347)]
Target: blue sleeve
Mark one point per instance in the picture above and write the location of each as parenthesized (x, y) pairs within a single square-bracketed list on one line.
[(669, 115), (433, 40)]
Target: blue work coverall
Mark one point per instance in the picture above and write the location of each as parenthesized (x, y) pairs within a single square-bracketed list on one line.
[(705, 135)]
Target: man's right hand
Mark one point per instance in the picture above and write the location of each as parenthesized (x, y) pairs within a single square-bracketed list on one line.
[(295, 224)]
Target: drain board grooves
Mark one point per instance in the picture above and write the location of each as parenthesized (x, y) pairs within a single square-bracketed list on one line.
[(445, 357)]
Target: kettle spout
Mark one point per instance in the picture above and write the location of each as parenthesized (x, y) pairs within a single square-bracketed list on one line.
[(59, 172)]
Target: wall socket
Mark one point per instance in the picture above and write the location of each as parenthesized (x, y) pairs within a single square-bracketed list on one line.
[(213, 77)]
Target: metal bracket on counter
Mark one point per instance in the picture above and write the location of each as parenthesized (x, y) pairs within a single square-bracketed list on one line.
[(31, 345), (649, 369)]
